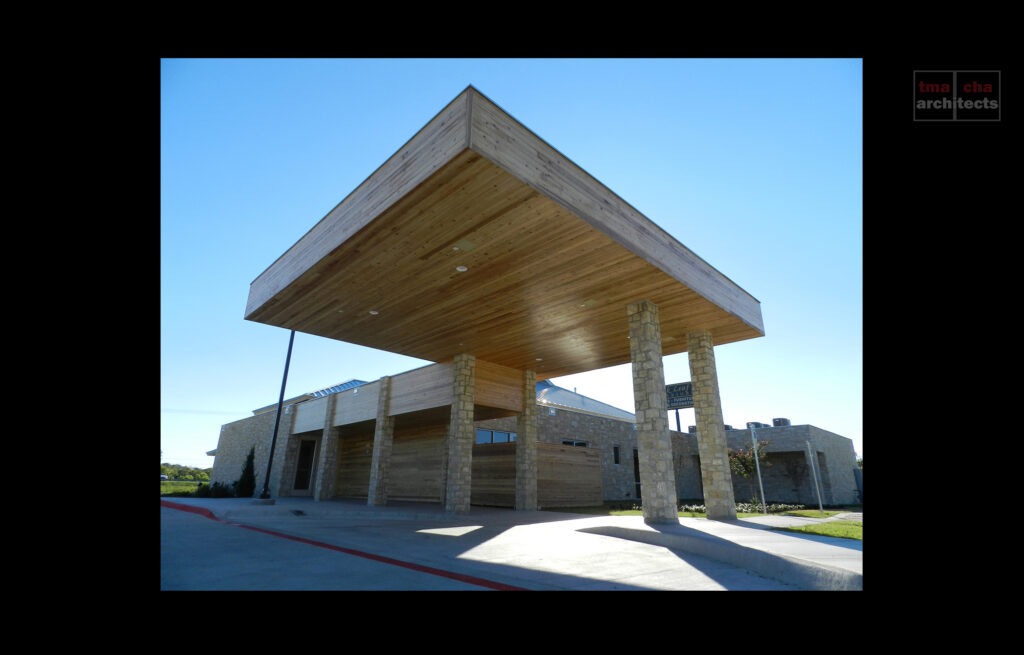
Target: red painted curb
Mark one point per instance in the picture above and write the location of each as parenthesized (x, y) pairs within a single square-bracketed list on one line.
[(480, 582), (189, 508)]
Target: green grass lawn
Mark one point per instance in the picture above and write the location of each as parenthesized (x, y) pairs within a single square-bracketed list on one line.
[(840, 528), (811, 513), (605, 511), (168, 487)]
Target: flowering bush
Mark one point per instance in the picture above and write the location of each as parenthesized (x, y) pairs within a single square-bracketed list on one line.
[(747, 508), (743, 464)]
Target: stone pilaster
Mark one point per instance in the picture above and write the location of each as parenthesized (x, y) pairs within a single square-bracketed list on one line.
[(327, 469), (458, 471), (526, 446), (654, 445), (383, 436), (711, 442)]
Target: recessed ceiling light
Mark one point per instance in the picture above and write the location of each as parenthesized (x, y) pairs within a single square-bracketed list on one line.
[(540, 359), (374, 312), (461, 269)]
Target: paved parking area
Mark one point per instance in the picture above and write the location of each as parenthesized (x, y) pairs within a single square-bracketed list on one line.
[(344, 545)]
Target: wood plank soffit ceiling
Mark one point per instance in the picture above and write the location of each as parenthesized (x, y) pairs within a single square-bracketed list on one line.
[(479, 237)]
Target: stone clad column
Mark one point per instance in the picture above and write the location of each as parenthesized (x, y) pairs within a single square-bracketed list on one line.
[(327, 470), (461, 436), (526, 446), (711, 442), (383, 435), (654, 445)]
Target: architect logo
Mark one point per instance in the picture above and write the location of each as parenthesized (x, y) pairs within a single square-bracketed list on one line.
[(956, 95)]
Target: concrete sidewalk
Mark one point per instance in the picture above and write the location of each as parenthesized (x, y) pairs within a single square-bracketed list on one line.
[(532, 545)]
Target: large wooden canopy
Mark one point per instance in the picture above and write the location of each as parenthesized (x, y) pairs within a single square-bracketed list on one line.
[(478, 237)]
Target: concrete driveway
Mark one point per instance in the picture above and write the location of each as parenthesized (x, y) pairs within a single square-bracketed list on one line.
[(298, 543)]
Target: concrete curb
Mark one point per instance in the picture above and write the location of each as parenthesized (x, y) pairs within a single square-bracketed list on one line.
[(801, 573)]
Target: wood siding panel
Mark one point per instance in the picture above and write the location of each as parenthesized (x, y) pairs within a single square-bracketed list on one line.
[(416, 464), (494, 475), (498, 386), (354, 456), (422, 388), (310, 415), (355, 405), (568, 476)]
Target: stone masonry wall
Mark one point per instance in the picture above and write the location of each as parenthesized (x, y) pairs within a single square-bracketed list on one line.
[(788, 478), (236, 439)]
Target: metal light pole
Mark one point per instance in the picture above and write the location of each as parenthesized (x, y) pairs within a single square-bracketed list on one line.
[(814, 474), (757, 463), (277, 419)]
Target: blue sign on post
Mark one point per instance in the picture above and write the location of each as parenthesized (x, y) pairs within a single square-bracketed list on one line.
[(680, 396)]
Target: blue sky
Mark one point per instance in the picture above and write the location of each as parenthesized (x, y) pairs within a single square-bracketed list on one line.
[(755, 165)]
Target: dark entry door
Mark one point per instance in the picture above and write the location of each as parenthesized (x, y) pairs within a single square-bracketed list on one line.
[(304, 467)]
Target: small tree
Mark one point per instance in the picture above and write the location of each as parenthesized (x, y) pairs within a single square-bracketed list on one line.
[(246, 484), (741, 463)]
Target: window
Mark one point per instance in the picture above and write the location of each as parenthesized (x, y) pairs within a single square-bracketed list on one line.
[(615, 454), (494, 436), (572, 442)]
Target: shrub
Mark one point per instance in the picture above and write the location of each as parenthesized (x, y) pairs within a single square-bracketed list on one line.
[(218, 490), (246, 485), (215, 490)]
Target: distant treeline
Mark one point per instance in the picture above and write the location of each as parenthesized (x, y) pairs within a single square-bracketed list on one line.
[(179, 472)]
